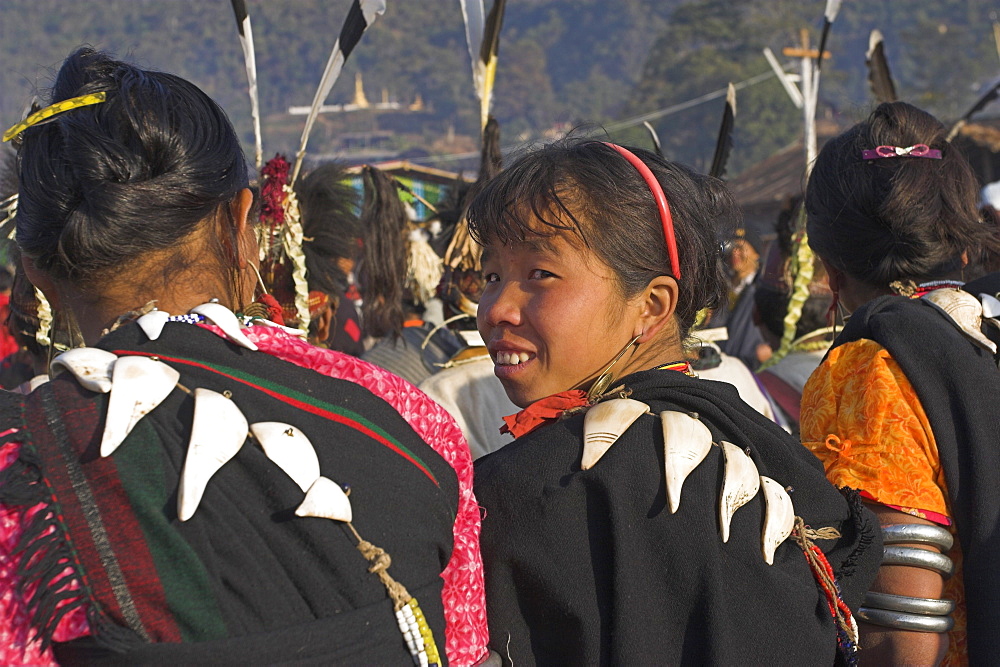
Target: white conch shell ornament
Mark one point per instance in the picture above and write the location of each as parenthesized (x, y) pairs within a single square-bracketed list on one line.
[(965, 311), (686, 443), (217, 433), (138, 384), (326, 500), (288, 330), (224, 318), (152, 323), (779, 517), (991, 306), (290, 449), (740, 485), (604, 424), (91, 366)]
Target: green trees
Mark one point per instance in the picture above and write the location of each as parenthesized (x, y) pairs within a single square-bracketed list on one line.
[(562, 62)]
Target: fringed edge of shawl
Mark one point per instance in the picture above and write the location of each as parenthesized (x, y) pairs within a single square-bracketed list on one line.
[(45, 553), (861, 523)]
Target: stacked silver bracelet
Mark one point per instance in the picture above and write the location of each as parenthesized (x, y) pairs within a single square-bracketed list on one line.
[(910, 613)]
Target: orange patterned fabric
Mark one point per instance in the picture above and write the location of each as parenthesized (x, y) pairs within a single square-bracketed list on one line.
[(863, 420)]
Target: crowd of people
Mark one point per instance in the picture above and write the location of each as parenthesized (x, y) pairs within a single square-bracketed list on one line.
[(213, 447)]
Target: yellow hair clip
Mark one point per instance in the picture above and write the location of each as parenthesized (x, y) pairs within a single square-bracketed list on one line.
[(50, 111)]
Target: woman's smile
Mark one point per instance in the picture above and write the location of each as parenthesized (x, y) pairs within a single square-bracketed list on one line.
[(551, 315)]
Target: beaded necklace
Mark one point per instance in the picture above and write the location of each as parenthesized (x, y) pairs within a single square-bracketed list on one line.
[(682, 366), (926, 288)]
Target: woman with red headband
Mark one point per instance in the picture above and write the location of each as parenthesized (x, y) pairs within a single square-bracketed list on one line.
[(597, 259)]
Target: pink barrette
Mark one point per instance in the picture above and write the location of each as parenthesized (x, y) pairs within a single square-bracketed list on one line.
[(920, 150)]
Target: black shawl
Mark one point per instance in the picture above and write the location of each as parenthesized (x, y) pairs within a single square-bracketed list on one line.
[(958, 385), (590, 567), (244, 580)]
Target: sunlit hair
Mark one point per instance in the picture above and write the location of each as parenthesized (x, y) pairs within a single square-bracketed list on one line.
[(902, 218), (101, 186), (588, 190)]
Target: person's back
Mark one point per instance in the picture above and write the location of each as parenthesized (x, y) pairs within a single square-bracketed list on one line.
[(900, 408), (196, 485)]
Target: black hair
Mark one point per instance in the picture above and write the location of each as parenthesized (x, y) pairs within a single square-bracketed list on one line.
[(382, 271), (102, 185), (449, 212), (589, 190), (329, 224), (901, 218)]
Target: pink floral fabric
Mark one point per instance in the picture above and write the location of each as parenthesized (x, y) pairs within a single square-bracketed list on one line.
[(16, 631), (463, 593)]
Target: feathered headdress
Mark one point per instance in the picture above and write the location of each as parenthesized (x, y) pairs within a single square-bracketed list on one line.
[(724, 144), (879, 75), (250, 59), (361, 15), (482, 33)]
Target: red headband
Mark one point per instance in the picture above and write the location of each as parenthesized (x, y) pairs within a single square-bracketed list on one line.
[(661, 205)]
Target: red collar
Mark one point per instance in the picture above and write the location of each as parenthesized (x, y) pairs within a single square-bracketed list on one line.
[(554, 407)]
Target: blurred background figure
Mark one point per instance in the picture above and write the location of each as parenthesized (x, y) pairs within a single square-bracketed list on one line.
[(399, 274), (784, 380), (742, 261)]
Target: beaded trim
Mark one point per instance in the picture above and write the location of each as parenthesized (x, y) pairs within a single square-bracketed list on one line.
[(195, 318), (190, 318), (418, 635)]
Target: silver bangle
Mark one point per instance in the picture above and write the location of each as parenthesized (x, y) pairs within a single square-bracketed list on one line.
[(918, 533), (900, 621), (909, 605), (916, 557)]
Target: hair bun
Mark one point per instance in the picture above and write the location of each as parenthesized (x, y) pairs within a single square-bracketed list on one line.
[(907, 218), (102, 185)]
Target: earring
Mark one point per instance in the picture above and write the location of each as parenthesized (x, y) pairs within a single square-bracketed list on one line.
[(605, 379), (265, 306), (260, 279)]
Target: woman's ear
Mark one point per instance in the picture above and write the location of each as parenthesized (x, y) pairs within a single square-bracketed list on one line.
[(246, 240), (657, 305), (835, 277)]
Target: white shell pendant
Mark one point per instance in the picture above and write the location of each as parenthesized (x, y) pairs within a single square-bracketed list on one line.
[(289, 447), (288, 330), (965, 311), (224, 318), (604, 424), (326, 500), (152, 323), (991, 306), (686, 443), (217, 433), (741, 483), (779, 519), (90, 366), (138, 384)]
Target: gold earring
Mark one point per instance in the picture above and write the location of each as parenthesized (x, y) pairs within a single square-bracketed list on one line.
[(605, 379)]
